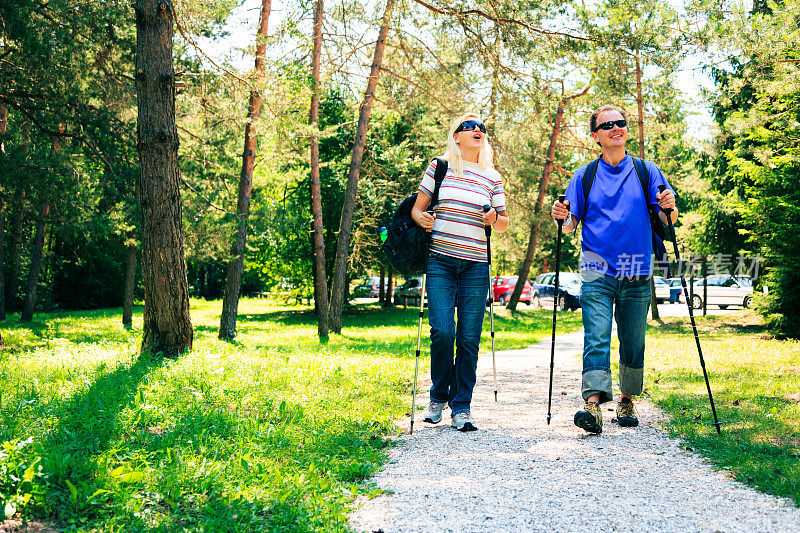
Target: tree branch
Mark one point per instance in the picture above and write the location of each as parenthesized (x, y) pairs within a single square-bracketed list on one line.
[(411, 82), (209, 202), (77, 136), (201, 52), (500, 20)]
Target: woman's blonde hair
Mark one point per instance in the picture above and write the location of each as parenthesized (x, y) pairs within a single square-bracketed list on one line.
[(453, 153)]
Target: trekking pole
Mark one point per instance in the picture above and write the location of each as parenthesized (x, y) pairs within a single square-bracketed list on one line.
[(561, 198), (691, 315), (419, 329), (488, 230)]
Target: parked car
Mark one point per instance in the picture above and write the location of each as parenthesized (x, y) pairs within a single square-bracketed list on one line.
[(723, 291), (665, 291), (673, 282), (662, 289), (503, 287), (409, 292), (569, 290), (369, 287), (676, 283)]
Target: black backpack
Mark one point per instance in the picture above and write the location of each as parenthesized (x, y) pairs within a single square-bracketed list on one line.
[(406, 245), (656, 226)]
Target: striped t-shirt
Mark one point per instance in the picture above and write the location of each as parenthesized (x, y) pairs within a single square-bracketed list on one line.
[(458, 230)]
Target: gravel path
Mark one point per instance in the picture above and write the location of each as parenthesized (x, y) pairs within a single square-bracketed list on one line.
[(517, 474)]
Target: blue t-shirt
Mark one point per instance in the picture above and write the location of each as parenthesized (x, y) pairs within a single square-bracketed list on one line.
[(617, 239)]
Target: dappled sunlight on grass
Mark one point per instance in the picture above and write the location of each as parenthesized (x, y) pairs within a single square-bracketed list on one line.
[(755, 383), (102, 327), (273, 430)]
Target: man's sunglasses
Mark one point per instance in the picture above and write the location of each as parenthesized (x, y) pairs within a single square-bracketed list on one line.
[(469, 125), (607, 125)]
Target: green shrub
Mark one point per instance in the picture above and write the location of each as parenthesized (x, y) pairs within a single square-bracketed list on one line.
[(21, 477)]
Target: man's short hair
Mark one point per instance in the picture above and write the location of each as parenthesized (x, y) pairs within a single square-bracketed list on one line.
[(596, 113)]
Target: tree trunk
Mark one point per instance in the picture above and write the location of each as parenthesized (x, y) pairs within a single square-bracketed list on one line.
[(320, 277), (339, 286), (233, 280), (36, 263), (130, 285), (640, 107), (37, 254), (47, 272), (3, 129), (525, 268), (19, 226), (381, 285), (201, 284), (167, 325), (640, 124), (2, 259), (16, 251), (389, 298)]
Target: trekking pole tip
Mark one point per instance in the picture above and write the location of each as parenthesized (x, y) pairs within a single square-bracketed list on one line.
[(495, 395), (717, 425), (548, 419)]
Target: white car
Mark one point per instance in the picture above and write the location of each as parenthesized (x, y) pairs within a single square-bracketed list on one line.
[(722, 291), (663, 289)]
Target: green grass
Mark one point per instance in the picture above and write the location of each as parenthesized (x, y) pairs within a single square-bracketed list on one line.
[(275, 431), (755, 381)]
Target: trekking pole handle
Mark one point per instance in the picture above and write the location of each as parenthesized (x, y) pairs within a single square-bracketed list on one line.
[(430, 212), (488, 229), (561, 198), (662, 188)]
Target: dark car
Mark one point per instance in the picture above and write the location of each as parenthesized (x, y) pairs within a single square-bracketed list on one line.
[(369, 287), (504, 286), (409, 292), (569, 290)]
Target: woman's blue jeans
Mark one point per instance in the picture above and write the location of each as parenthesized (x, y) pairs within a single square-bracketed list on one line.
[(452, 280), (599, 293)]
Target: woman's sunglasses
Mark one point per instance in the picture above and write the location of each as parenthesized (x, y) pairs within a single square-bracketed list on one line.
[(469, 125), (610, 124)]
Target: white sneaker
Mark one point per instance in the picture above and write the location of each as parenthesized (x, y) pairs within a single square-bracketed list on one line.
[(464, 422), (433, 414)]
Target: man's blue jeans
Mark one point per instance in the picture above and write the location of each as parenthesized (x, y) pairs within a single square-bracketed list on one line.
[(599, 293), (468, 281)]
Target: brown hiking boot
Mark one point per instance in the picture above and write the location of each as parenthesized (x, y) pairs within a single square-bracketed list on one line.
[(590, 418), (626, 414)]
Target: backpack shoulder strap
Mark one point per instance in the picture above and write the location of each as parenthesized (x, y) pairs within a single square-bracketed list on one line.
[(644, 179), (656, 225), (438, 178), (588, 178)]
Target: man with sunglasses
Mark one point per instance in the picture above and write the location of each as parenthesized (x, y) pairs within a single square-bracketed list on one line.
[(616, 264)]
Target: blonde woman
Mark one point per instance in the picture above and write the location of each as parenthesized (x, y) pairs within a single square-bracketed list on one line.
[(458, 270)]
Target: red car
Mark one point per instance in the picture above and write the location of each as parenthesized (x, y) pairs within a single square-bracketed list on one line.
[(504, 286)]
